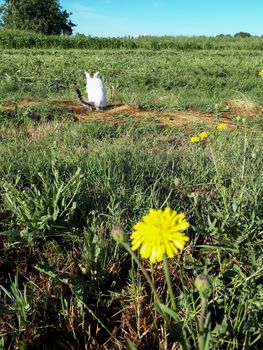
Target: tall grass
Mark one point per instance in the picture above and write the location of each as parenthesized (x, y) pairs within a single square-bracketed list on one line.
[(83, 288), (18, 39)]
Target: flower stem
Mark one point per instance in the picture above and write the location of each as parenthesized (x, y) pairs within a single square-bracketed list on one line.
[(169, 282), (201, 324), (145, 273)]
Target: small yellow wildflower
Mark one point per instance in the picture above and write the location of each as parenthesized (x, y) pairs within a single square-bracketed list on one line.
[(159, 233), (195, 139), (203, 135), (261, 73), (221, 126)]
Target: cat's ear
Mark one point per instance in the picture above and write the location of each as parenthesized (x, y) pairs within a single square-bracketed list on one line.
[(97, 75), (87, 75)]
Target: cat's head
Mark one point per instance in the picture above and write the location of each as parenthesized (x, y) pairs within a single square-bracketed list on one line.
[(90, 76)]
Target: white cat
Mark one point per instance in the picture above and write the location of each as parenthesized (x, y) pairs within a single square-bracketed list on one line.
[(96, 92)]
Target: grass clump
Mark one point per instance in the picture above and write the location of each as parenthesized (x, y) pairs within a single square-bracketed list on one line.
[(29, 114)]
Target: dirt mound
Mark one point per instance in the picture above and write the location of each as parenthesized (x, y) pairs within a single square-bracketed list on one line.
[(115, 113)]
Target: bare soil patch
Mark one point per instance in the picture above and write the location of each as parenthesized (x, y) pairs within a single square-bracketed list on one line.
[(115, 113)]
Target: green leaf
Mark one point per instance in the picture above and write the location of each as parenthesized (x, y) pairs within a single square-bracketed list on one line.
[(131, 345), (164, 310)]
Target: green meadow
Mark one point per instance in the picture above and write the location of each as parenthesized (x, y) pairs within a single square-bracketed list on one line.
[(65, 283), (162, 80)]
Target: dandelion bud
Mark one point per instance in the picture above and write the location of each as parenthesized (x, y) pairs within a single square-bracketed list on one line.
[(118, 234), (202, 285)]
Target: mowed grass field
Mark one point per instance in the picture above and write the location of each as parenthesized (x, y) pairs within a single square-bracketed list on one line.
[(163, 79), (64, 184)]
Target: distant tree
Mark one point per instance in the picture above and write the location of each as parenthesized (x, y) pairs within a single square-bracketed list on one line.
[(80, 35), (224, 35), (242, 35), (42, 16)]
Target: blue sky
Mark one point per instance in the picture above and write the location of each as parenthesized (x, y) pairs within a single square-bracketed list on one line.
[(166, 17)]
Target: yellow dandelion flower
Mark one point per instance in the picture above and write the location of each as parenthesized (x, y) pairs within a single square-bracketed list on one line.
[(261, 73), (221, 126), (195, 139), (159, 233), (203, 135)]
